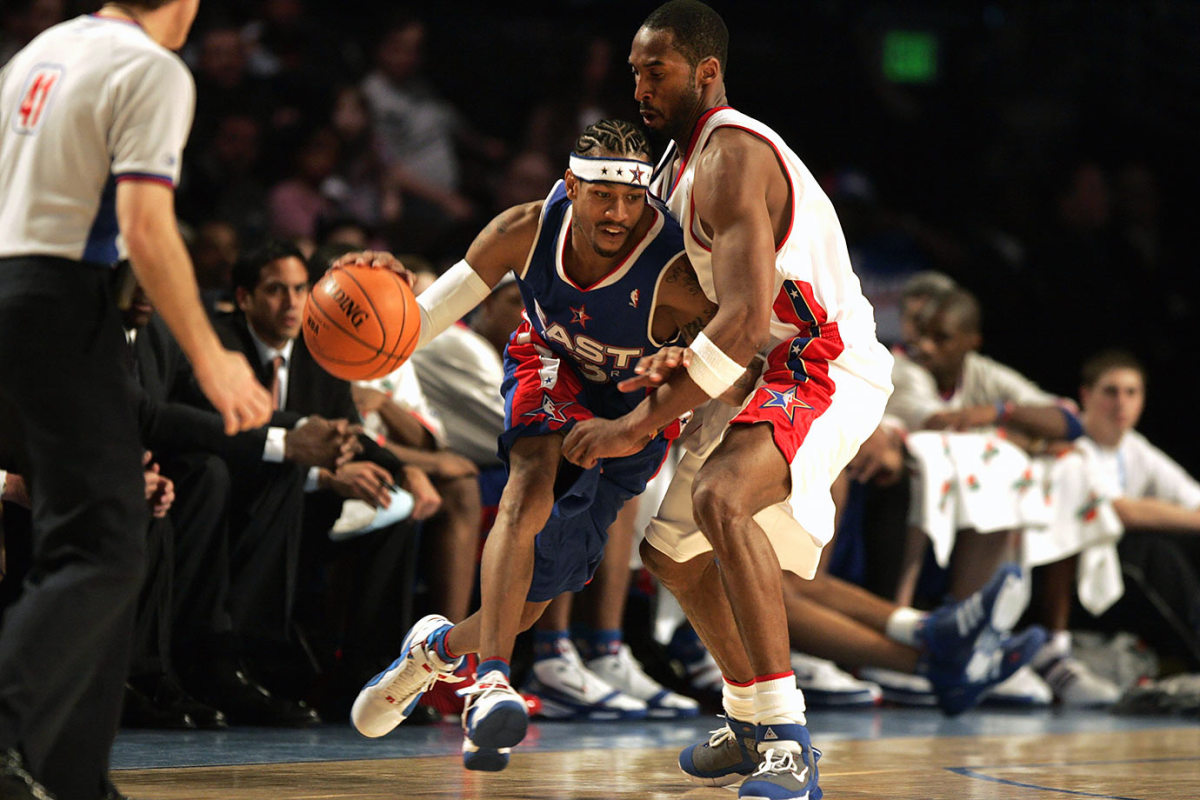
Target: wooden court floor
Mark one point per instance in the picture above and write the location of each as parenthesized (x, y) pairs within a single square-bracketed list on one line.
[(1153, 764)]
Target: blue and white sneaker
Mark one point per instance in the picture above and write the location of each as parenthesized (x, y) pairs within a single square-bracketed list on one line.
[(389, 697), (568, 690), (784, 774), (950, 631), (622, 672), (729, 755), (494, 720), (961, 685)]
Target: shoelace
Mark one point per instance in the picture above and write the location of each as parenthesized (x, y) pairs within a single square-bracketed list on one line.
[(409, 680), (479, 691), (776, 762), (720, 736)]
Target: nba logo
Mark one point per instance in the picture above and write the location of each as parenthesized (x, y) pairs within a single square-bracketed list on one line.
[(634, 296), (35, 98)]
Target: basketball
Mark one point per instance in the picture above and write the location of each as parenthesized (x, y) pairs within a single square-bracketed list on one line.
[(361, 322)]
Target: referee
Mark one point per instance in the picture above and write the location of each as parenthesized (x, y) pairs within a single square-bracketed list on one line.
[(94, 114)]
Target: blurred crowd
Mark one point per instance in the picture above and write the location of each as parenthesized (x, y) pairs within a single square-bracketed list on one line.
[(1031, 202)]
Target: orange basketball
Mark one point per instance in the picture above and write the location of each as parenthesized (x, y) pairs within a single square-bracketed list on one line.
[(361, 322)]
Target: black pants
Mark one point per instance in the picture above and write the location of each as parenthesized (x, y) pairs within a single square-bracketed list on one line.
[(67, 414)]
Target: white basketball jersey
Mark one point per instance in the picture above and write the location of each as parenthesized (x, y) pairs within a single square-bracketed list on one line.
[(87, 103), (823, 289)]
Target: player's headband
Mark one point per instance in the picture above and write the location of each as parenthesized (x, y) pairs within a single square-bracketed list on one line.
[(611, 170)]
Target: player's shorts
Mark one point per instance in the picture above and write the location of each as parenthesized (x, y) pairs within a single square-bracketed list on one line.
[(544, 394), (818, 425)]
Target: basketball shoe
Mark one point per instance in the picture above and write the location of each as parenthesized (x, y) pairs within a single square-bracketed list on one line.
[(826, 686), (622, 672), (784, 773), (951, 630), (494, 720), (390, 697), (729, 755), (568, 690), (960, 683), (1076, 685), (1023, 689)]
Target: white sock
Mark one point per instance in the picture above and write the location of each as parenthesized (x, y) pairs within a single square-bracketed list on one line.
[(902, 626), (778, 699), (738, 700)]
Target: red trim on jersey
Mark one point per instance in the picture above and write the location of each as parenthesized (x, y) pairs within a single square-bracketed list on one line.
[(146, 177), (620, 265), (687, 154), (786, 176)]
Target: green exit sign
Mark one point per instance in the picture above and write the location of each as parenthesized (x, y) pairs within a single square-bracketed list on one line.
[(910, 56)]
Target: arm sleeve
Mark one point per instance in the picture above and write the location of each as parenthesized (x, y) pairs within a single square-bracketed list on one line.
[(154, 102), (1171, 482), (914, 396)]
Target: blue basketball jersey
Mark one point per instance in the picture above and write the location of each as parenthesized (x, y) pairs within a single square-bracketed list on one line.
[(602, 329)]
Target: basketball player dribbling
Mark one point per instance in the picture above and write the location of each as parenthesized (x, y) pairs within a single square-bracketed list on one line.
[(604, 279)]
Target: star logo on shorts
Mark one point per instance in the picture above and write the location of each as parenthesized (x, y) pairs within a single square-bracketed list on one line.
[(579, 316), (785, 401), (550, 409)]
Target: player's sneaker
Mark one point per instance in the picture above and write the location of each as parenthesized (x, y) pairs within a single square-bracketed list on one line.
[(390, 697), (825, 685), (901, 688), (622, 672), (784, 774), (951, 630), (729, 755), (960, 686), (1075, 684), (1023, 689), (494, 720), (568, 690)]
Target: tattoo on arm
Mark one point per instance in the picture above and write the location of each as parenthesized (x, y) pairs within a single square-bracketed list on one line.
[(690, 330), (681, 273)]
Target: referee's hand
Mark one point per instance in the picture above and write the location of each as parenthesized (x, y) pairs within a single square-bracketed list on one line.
[(229, 384)]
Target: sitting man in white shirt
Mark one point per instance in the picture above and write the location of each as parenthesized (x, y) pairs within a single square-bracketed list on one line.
[(1150, 492)]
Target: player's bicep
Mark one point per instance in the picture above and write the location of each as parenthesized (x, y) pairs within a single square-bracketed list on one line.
[(505, 243)]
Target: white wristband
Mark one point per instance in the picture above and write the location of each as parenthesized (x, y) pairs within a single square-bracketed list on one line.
[(452, 295), (710, 368)]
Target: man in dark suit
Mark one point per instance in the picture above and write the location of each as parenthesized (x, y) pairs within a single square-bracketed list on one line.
[(186, 599), (271, 286)]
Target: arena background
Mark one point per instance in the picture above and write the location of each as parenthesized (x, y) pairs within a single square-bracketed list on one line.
[(1042, 153)]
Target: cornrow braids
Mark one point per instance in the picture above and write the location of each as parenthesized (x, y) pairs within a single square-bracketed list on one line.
[(613, 136)]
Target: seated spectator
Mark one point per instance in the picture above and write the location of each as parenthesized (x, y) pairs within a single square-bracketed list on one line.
[(949, 386), (349, 623), (194, 565), (1153, 500), (421, 133), (297, 202)]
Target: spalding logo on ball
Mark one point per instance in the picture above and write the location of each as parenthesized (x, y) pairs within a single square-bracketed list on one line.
[(361, 322)]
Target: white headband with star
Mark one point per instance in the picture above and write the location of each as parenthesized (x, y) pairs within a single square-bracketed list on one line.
[(611, 170)]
